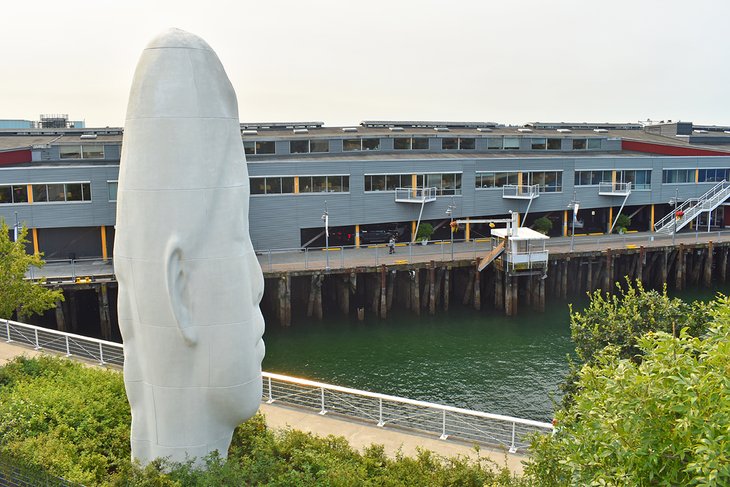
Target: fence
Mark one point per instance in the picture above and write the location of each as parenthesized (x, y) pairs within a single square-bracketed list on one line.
[(380, 409), (14, 473)]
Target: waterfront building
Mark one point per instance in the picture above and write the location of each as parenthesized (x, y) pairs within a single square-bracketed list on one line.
[(61, 182)]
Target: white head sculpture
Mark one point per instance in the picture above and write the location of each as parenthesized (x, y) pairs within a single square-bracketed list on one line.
[(189, 281)]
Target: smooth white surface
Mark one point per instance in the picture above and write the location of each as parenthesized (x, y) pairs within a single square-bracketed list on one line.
[(189, 281)]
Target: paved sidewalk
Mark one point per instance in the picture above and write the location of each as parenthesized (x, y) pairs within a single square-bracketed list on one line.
[(357, 433)]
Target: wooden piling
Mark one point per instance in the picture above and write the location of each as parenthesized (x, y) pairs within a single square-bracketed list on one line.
[(447, 288), (679, 269), (723, 264), (564, 278), (391, 289), (383, 292), (432, 288), (707, 275), (469, 289), (416, 293), (499, 290), (104, 320), (477, 287), (60, 321)]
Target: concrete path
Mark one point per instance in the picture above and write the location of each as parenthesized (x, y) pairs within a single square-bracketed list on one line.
[(359, 434)]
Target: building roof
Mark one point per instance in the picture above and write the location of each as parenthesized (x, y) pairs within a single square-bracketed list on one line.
[(521, 233)]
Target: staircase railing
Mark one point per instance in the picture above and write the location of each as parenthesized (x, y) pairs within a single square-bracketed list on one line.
[(693, 207)]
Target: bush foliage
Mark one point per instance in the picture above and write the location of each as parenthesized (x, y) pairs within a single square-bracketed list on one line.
[(73, 421)]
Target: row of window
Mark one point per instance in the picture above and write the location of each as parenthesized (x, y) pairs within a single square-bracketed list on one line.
[(84, 151), (307, 184), (46, 193), (417, 143), (639, 178), (547, 181), (446, 184), (688, 175)]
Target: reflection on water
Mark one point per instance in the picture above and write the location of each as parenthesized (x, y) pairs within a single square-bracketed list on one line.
[(463, 358)]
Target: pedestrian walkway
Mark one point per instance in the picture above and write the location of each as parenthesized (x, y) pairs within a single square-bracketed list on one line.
[(358, 434)]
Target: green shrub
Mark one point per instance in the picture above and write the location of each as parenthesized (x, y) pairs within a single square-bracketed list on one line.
[(542, 225), (425, 230), (623, 223)]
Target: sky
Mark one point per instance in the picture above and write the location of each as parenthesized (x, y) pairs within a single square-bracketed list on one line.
[(341, 62)]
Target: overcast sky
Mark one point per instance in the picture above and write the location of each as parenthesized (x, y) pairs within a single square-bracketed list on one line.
[(342, 61)]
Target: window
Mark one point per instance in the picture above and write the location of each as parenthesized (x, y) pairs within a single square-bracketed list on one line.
[(547, 181), (494, 143), (61, 192), (639, 178), (349, 145), (16, 193), (679, 176), (592, 178), (539, 144), (407, 143), (712, 175), (511, 143), (453, 143), (503, 178), (484, 180), (554, 144), (387, 182), (445, 184), (298, 146), (324, 184), (272, 185), (251, 147), (113, 186), (319, 145), (579, 144), (594, 144), (92, 151)]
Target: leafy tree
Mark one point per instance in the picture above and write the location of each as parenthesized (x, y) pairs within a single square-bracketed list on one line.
[(424, 231), (622, 318), (661, 421), (623, 222), (17, 293), (542, 225)]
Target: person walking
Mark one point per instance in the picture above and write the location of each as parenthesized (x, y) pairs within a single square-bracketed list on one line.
[(391, 245)]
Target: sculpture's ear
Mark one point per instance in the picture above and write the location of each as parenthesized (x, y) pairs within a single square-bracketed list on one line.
[(177, 279)]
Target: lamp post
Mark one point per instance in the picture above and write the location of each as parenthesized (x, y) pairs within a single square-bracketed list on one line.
[(573, 205), (450, 212), (16, 229), (326, 218), (674, 202)]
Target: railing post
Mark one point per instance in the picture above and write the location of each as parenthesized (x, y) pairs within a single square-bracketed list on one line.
[(380, 412), (513, 448), (37, 346), (101, 355), (323, 411), (306, 257), (7, 329), (271, 393), (73, 269), (376, 255), (443, 425), (68, 351)]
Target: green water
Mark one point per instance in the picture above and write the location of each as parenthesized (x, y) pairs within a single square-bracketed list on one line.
[(463, 358)]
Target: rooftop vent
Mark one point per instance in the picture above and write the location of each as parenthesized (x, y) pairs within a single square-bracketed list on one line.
[(249, 132), (441, 129), (600, 131), (301, 131), (396, 129), (87, 136), (524, 130), (349, 129), (564, 131), (483, 129)]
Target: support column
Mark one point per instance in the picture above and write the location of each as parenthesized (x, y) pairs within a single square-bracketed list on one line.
[(589, 275), (723, 265), (104, 254), (383, 292), (651, 219), (432, 288), (447, 287), (564, 278), (60, 321), (665, 265), (72, 312), (498, 290), (679, 269), (565, 223), (541, 295), (357, 236), (477, 287), (391, 289), (344, 286), (416, 292), (608, 276), (467, 231), (610, 219), (35, 241), (284, 300), (708, 265), (104, 321)]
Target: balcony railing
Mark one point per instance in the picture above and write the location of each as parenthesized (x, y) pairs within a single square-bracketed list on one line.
[(520, 191), (614, 189), (415, 195)]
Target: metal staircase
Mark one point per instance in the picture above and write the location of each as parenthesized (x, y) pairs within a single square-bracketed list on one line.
[(693, 207)]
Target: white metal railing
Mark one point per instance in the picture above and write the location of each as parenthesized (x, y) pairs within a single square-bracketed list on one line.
[(527, 260), (380, 409), (385, 410), (619, 189), (693, 207), (521, 191), (415, 195)]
